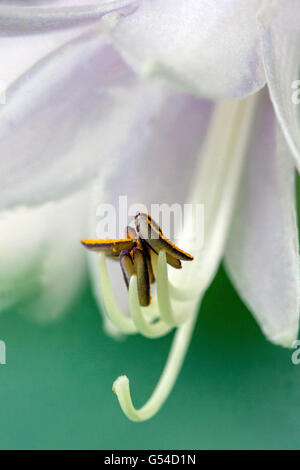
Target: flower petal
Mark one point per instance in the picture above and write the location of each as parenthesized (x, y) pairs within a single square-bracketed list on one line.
[(18, 56), (60, 119), (30, 19), (280, 35), (262, 255), (42, 262), (209, 47)]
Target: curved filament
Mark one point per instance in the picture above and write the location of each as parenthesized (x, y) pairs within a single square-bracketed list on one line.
[(163, 295), (150, 330), (124, 324), (165, 384)]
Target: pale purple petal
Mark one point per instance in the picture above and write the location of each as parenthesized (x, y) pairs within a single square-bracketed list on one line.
[(17, 55), (161, 149), (280, 34), (31, 19), (60, 120), (262, 255), (209, 47)]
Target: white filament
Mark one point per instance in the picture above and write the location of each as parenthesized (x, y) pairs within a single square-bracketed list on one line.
[(168, 378), (150, 330), (124, 324)]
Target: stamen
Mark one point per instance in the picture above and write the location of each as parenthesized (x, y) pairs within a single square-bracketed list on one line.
[(143, 283), (124, 324), (168, 378), (150, 231), (127, 266), (228, 142), (110, 247), (172, 261), (131, 233), (150, 330), (163, 295)]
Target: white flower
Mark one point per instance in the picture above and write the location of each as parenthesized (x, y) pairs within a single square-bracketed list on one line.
[(140, 98)]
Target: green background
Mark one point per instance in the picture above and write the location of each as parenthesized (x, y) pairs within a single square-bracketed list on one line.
[(236, 390)]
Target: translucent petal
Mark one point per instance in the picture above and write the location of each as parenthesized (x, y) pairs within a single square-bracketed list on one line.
[(42, 262), (262, 254), (209, 47), (60, 121), (280, 35), (20, 19), (19, 55)]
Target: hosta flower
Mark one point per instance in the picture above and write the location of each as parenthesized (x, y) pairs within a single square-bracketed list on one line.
[(161, 101)]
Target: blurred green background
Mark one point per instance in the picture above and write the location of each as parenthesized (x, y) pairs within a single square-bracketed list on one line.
[(236, 390)]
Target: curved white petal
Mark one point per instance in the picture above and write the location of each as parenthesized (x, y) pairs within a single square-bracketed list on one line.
[(42, 261), (30, 19), (60, 121), (208, 46), (280, 36), (17, 55), (57, 3), (262, 255)]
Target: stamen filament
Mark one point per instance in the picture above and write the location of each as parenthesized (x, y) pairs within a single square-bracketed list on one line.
[(124, 324), (168, 378), (163, 295), (150, 330), (220, 166)]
